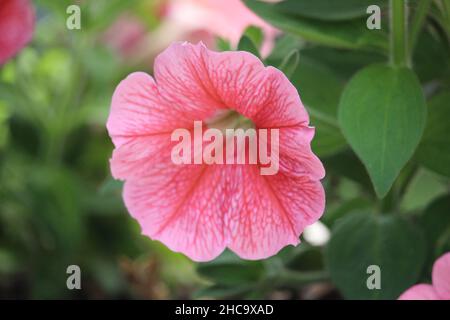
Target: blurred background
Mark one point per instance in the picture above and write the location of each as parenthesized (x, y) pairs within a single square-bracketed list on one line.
[(59, 205)]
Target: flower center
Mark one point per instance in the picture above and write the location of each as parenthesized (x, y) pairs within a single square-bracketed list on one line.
[(229, 119)]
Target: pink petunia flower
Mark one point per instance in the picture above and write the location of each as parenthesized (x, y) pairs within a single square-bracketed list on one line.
[(16, 27), (201, 209), (439, 290)]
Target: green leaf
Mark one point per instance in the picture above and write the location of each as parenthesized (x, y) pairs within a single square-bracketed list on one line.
[(284, 45), (329, 9), (251, 40), (422, 189), (229, 270), (382, 114), (431, 58), (256, 35), (345, 208), (346, 164), (434, 149), (246, 44), (328, 139), (348, 34), (320, 91), (221, 292), (310, 259), (343, 63), (435, 220), (361, 240), (290, 63), (8, 262), (222, 44), (111, 186)]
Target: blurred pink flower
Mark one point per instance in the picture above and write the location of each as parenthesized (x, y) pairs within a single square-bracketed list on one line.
[(125, 35), (16, 27), (200, 210), (224, 18), (439, 290)]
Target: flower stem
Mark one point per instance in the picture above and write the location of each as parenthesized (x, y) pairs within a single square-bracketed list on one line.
[(446, 5), (399, 52), (419, 18)]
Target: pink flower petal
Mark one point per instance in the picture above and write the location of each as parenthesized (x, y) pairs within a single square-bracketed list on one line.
[(199, 210), (271, 212), (139, 108), (441, 276), (181, 73), (235, 80), (141, 156), (296, 156), (420, 292), (16, 27), (183, 207)]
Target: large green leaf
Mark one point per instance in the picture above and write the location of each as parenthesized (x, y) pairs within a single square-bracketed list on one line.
[(361, 240), (382, 114), (434, 149), (329, 9), (347, 34)]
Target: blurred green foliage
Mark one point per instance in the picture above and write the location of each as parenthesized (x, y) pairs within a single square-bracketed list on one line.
[(59, 206)]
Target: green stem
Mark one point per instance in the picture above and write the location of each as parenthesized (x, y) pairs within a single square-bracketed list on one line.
[(390, 204), (446, 4), (52, 146), (399, 53), (406, 176), (417, 23)]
